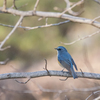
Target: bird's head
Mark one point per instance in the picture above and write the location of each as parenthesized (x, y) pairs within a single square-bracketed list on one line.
[(61, 49)]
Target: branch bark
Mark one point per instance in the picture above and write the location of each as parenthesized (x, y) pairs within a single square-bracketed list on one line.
[(45, 73), (52, 15)]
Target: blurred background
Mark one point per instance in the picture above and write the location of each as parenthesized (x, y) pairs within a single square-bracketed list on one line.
[(29, 48)]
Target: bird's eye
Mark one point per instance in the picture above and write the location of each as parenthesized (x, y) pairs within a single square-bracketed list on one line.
[(59, 49)]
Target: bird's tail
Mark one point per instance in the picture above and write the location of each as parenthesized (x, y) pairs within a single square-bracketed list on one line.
[(73, 73)]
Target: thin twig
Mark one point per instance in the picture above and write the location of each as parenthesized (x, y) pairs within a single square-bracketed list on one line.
[(36, 4), (63, 79), (40, 18), (46, 67), (95, 19), (97, 1), (97, 98), (2, 49), (87, 36), (4, 62), (68, 5), (22, 82), (92, 94), (7, 37), (78, 3), (30, 28), (4, 5), (46, 21), (14, 4)]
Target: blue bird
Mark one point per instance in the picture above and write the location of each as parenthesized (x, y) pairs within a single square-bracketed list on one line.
[(65, 60)]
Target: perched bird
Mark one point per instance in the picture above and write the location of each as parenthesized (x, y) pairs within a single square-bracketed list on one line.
[(65, 60)]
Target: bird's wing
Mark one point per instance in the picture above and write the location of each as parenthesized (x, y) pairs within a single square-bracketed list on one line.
[(63, 59), (65, 62), (67, 57), (74, 63)]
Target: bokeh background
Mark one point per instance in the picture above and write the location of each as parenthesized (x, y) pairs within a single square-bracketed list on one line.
[(30, 47)]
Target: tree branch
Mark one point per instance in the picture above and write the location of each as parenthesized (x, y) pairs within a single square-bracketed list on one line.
[(14, 4), (45, 73), (69, 9), (97, 1), (52, 15), (92, 94), (35, 27), (4, 5), (4, 62), (87, 36), (7, 37), (36, 4)]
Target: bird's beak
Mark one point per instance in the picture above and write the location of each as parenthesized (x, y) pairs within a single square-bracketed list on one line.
[(56, 48)]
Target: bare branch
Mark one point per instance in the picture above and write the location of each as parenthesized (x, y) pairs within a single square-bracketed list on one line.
[(97, 1), (44, 73), (63, 79), (92, 94), (68, 4), (4, 62), (46, 67), (2, 49), (87, 36), (18, 7), (97, 98), (36, 4), (22, 82), (7, 37), (95, 19), (46, 21), (14, 4), (4, 5), (69, 8), (51, 14), (40, 18), (30, 28)]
